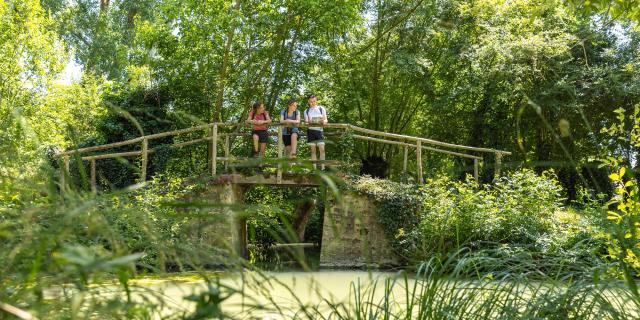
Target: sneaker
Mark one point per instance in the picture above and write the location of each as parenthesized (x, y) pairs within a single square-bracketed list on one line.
[(255, 154)]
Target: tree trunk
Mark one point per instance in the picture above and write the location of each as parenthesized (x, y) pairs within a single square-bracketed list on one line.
[(104, 5), (222, 78), (303, 212), (373, 121)]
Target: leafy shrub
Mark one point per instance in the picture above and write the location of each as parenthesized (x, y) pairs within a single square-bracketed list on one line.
[(521, 211), (275, 211), (398, 207)]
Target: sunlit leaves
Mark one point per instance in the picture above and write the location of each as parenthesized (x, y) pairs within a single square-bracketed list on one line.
[(31, 55), (615, 9)]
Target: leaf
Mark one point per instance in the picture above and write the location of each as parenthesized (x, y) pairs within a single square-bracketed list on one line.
[(614, 177), (622, 172), (612, 215), (124, 260)]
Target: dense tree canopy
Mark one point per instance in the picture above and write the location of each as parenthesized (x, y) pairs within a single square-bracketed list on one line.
[(537, 78)]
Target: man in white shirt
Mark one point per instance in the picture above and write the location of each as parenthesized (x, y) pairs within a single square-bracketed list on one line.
[(315, 114)]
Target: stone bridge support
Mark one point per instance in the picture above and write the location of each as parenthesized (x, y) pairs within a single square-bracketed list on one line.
[(351, 234), (219, 226)]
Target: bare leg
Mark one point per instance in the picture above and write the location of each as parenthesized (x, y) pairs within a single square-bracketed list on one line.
[(313, 154), (294, 144), (263, 146), (321, 149), (255, 144), (287, 151)]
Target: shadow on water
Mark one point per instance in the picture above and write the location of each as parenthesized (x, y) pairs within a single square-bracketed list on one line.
[(287, 257)]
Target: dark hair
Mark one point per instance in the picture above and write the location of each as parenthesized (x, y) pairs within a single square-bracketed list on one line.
[(256, 105), (291, 101), (311, 96)]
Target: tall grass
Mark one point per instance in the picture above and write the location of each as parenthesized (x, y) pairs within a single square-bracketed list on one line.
[(78, 255), (433, 292)]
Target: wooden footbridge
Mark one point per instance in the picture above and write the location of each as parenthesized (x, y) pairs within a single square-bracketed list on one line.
[(351, 236), (219, 136)]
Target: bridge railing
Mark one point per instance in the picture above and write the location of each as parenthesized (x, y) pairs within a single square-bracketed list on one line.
[(214, 136)]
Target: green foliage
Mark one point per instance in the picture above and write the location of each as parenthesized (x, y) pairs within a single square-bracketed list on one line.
[(31, 55), (619, 9), (133, 112), (522, 212), (623, 210), (275, 212), (531, 77), (625, 243), (398, 209)]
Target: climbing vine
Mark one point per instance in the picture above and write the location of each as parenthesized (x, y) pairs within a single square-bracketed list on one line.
[(398, 208)]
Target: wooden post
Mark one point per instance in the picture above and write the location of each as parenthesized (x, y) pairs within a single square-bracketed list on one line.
[(226, 152), (214, 149), (64, 171), (143, 167), (61, 182), (241, 230), (280, 149), (94, 186), (419, 160), (475, 170), (498, 165), (404, 162)]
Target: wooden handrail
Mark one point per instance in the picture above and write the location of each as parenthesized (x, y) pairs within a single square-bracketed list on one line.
[(214, 135), (113, 155), (301, 125), (148, 137), (102, 147), (425, 140), (464, 155)]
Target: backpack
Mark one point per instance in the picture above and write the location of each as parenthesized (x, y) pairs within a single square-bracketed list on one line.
[(306, 112), (285, 113)]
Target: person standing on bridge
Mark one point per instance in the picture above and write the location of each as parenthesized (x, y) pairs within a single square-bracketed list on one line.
[(290, 115), (259, 117), (315, 114)]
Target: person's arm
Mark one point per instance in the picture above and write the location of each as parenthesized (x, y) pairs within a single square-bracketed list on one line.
[(297, 120), (266, 115), (306, 118), (249, 120), (325, 119)]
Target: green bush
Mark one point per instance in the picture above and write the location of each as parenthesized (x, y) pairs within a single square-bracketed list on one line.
[(398, 208), (522, 211)]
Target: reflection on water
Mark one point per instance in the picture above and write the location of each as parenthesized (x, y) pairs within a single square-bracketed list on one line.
[(286, 258)]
